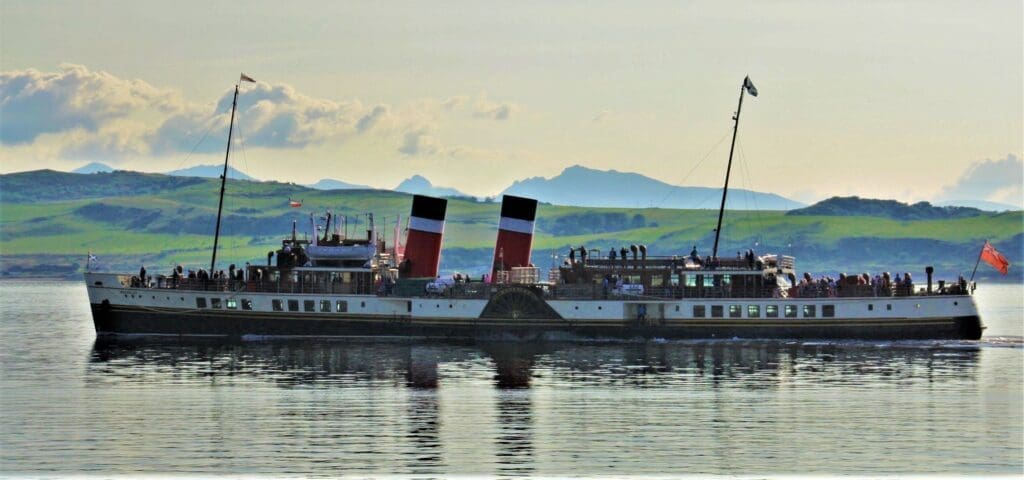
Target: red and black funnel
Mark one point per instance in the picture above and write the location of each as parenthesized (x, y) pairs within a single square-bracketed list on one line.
[(426, 229), (515, 233)]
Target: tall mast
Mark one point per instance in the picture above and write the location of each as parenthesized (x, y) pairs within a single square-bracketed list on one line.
[(223, 181), (746, 86)]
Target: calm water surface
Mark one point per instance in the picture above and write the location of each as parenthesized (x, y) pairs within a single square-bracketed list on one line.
[(70, 404)]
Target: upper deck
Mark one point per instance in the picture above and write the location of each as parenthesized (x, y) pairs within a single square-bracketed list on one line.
[(665, 278)]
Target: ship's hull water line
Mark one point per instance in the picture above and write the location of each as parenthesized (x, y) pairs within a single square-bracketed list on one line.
[(124, 320)]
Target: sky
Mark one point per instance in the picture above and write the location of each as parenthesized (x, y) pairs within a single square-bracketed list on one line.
[(903, 100)]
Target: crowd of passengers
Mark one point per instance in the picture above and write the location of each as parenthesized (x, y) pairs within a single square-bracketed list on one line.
[(751, 259), (180, 276), (881, 285)]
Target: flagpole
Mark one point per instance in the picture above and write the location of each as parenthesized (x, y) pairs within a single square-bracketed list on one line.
[(980, 252), (728, 169), (223, 181)]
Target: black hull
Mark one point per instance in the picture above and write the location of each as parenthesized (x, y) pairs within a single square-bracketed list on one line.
[(110, 320)]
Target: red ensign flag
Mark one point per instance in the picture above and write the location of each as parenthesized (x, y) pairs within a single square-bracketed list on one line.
[(992, 257)]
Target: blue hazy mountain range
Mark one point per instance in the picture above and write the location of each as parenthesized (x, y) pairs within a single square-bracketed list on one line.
[(587, 187), (94, 167), (332, 184), (210, 171), (579, 186), (419, 185), (204, 171)]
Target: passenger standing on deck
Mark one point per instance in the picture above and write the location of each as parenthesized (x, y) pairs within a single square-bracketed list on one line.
[(142, 276)]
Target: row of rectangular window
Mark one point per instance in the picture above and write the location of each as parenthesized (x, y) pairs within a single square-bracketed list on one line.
[(770, 311), (341, 306), (230, 304)]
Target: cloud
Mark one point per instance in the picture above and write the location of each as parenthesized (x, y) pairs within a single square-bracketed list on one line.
[(485, 108), (371, 119), (420, 141), (455, 102), (271, 116), (82, 113), (994, 180), (72, 98)]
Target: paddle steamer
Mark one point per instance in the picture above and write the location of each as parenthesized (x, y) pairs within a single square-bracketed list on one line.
[(332, 285)]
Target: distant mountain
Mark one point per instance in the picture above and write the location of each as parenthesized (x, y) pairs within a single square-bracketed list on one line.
[(586, 187), (980, 205), (211, 171), (419, 185), (94, 167), (869, 207), (332, 184)]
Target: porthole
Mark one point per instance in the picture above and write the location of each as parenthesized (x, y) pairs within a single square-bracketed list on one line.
[(956, 303), (577, 307), (599, 307)]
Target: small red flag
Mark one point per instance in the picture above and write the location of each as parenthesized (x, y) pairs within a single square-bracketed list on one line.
[(992, 257)]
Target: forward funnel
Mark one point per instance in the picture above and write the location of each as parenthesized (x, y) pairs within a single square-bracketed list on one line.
[(515, 233), (426, 229)]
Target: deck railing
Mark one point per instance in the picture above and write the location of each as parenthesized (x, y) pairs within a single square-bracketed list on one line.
[(478, 290)]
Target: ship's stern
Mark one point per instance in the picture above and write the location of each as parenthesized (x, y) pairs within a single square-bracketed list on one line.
[(968, 322)]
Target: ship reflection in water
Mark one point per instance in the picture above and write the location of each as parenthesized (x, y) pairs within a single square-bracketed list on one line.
[(427, 365), (351, 407)]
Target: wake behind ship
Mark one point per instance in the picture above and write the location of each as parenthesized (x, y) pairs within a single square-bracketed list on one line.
[(336, 285)]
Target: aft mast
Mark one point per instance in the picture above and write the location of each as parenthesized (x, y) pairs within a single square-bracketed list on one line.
[(747, 87), (224, 177)]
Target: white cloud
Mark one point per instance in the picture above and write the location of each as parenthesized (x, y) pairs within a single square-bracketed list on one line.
[(994, 180), (34, 103), (486, 108), (371, 119), (84, 113), (420, 141)]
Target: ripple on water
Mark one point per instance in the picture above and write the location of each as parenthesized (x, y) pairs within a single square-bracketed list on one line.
[(270, 406)]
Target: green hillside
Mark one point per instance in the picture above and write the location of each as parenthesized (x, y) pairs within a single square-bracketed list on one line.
[(50, 220)]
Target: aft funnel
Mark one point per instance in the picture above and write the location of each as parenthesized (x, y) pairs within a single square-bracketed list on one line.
[(426, 229), (515, 233)]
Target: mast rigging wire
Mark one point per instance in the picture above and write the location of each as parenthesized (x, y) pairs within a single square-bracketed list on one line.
[(673, 188)]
